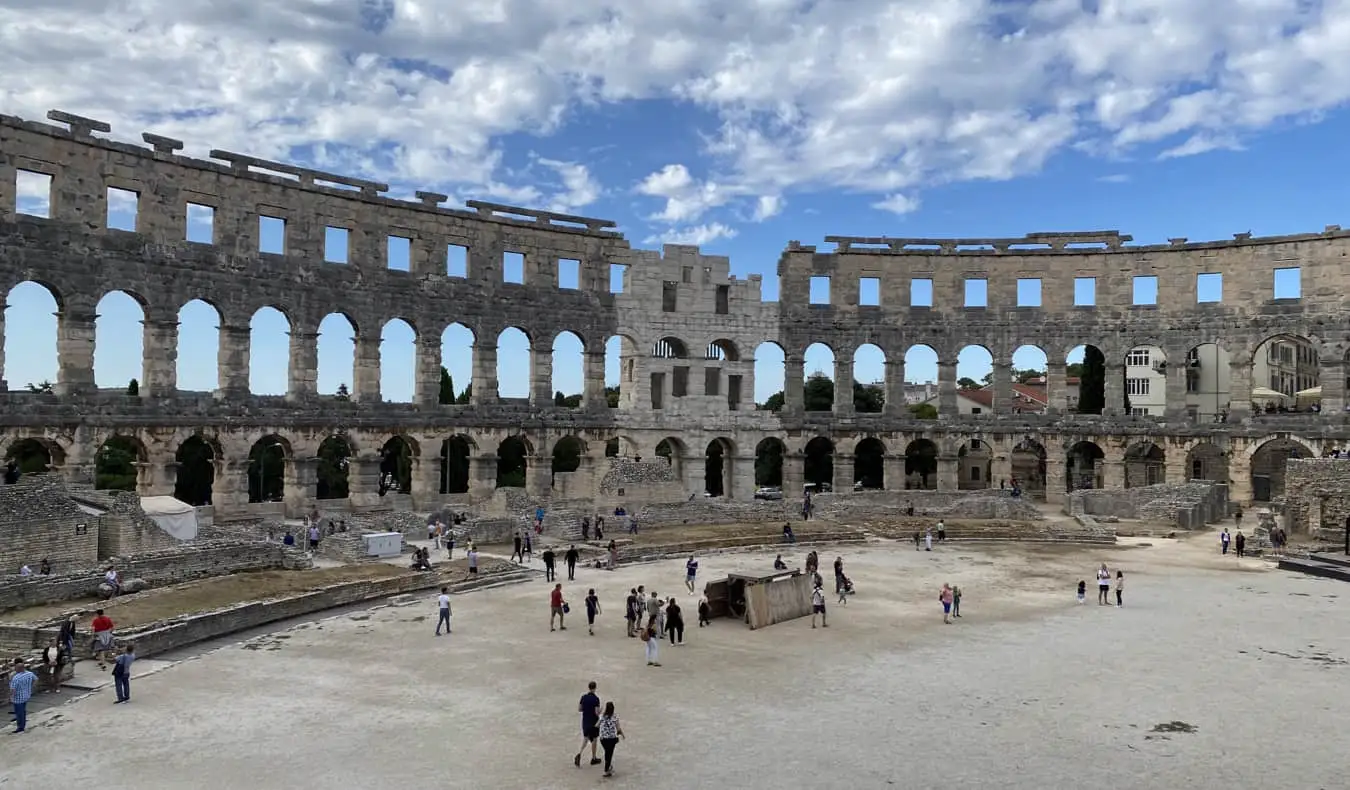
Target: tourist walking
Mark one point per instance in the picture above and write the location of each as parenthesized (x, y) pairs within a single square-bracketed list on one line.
[(653, 643), (1082, 591), (818, 606), (942, 530), (571, 558), (20, 691), (812, 562), (690, 571), (517, 555), (704, 613), (632, 525), (473, 560), (631, 612), (103, 638), (1120, 588), (53, 659), (557, 608), (589, 707), (529, 548), (313, 537), (1224, 539), (122, 674), (946, 597), (1237, 517), (592, 609), (1240, 544), (675, 623), (838, 575), (956, 601), (918, 540), (928, 539), (653, 605), (443, 603), (585, 528), (66, 637), (449, 543), (613, 555), (1103, 586), (549, 573), (610, 733)]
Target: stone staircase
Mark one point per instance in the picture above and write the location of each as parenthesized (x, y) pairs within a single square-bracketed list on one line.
[(1327, 566)]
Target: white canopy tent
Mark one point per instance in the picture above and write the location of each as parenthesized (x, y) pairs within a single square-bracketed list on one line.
[(175, 517)]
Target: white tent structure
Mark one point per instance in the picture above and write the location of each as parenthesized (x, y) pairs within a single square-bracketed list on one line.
[(176, 518)]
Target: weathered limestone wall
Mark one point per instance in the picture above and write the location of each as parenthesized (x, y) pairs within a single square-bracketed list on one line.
[(39, 519), (1317, 497), (933, 504), (1187, 505)]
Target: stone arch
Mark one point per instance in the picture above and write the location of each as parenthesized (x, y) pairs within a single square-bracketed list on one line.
[(1268, 465), (1086, 395), (513, 464), (569, 453), (396, 465), (269, 351), (398, 361), (1205, 461), (621, 359), (34, 455), (119, 340), (267, 469), (770, 376), (1209, 385), (199, 324), (869, 379), (457, 357), (974, 366), (819, 465), (921, 456), (1286, 363), (674, 451), (819, 382), (869, 464), (197, 458), (117, 463), (336, 355), (769, 462), (670, 347), (334, 456), (717, 467), (32, 357), (514, 379), (569, 369), (1145, 465), (722, 350), (1145, 381), (1028, 463), (921, 373), (975, 465), (621, 446), (1083, 465), (456, 464)]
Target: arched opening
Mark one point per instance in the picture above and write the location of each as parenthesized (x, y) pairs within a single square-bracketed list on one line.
[(818, 386), (1028, 468), (455, 454), (1145, 465), (612, 448), (672, 450), (722, 351), (1207, 462), (1269, 466), (621, 355), (769, 463), (717, 468), (1085, 380), (869, 379), (974, 371), (670, 348), (1282, 367), (456, 365), (396, 463), (37, 456), (869, 464), (198, 347), (398, 361), (31, 355), (1083, 466), (115, 464), (921, 375), (975, 465), (512, 462), (567, 454), (770, 376), (921, 465), (119, 342), (333, 455), (819, 465), (196, 472), (267, 469), (569, 372), (1145, 381), (515, 365), (1031, 390), (269, 352), (336, 360), (1209, 385)]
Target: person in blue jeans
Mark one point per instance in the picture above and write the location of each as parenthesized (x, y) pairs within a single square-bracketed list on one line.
[(20, 691), (122, 674)]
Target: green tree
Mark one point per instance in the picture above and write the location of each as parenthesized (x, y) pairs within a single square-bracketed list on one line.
[(332, 468), (44, 388), (923, 411), (115, 465), (566, 401), (967, 383), (266, 471), (446, 396), (773, 403), (1026, 375), (342, 392), (612, 397), (1074, 370), (134, 388), (868, 398), (769, 464), (511, 463), (1092, 382), (818, 393), (567, 456), (465, 397), (31, 457)]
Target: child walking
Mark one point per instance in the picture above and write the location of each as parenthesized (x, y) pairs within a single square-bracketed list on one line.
[(1120, 587), (956, 601), (704, 613), (1082, 591)]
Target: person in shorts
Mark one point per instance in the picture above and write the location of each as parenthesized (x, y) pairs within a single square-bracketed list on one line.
[(103, 639), (473, 560), (557, 609), (590, 723), (818, 606)]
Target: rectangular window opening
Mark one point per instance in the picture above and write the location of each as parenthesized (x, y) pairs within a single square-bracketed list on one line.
[(1208, 288), (1029, 292), (977, 292), (733, 392), (271, 235), (869, 292), (921, 292), (1085, 292), (123, 205), (820, 290), (1136, 386), (1138, 358), (456, 260), (722, 304), (679, 383), (569, 274), (707, 275), (658, 390), (1289, 283), (398, 253), (335, 244), (34, 194), (617, 274), (201, 224), (687, 274), (1145, 289), (669, 292), (513, 267), (712, 381)]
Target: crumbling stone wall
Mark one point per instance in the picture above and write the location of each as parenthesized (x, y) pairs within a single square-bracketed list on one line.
[(126, 529), (39, 519), (1317, 497), (1187, 505), (934, 504)]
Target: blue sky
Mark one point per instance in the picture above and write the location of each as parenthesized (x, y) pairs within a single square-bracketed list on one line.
[(738, 135)]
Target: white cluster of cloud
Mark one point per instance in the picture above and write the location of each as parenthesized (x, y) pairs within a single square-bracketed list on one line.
[(883, 97)]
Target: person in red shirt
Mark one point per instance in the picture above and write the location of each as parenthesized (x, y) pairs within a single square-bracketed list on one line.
[(103, 638), (557, 608)]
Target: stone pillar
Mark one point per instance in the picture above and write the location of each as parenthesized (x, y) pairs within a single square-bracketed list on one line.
[(843, 390), (1176, 388), (304, 366), (1239, 390), (742, 488), (1114, 389), (75, 350), (1332, 376), (794, 384), (485, 380), (428, 373), (893, 470), (1000, 465), (9, 195), (233, 362), (693, 471), (538, 475), (426, 483), (947, 407), (158, 478), (1174, 471), (482, 475), (363, 480), (301, 480), (541, 378), (1002, 379), (593, 396), (794, 475), (895, 389), (366, 370), (229, 489), (1113, 472), (948, 473), (1240, 477), (843, 472), (160, 370), (1055, 484), (1056, 391)]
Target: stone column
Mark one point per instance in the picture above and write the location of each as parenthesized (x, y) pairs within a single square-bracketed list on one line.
[(1332, 376), (484, 378), (1239, 390), (160, 371), (895, 405), (1055, 484), (301, 479), (794, 384), (1113, 472), (75, 350), (229, 489), (366, 370), (233, 362), (1000, 465), (303, 370), (593, 381), (538, 475), (948, 473), (794, 475), (843, 472), (843, 389), (1174, 471), (428, 371), (9, 194), (693, 471), (947, 408), (742, 488), (1002, 379), (363, 481), (893, 470), (157, 478), (541, 378), (1176, 387), (1056, 390), (1240, 477), (426, 483), (482, 475), (1114, 389)]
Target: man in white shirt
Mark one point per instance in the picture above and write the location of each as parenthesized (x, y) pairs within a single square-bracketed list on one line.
[(443, 601), (818, 606), (111, 579)]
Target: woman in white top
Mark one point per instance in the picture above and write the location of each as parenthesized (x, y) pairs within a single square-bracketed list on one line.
[(1103, 585)]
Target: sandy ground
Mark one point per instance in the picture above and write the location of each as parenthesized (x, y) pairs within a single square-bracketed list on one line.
[(1028, 690)]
